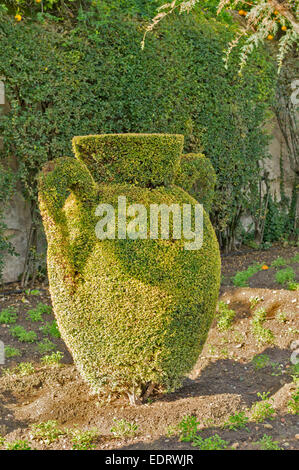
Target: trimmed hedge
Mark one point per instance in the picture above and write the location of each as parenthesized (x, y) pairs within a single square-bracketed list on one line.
[(144, 159), (95, 79), (132, 312), (197, 176)]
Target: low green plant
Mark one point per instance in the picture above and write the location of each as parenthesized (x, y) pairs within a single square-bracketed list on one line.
[(263, 335), (18, 445), (52, 359), (295, 259), (45, 346), (11, 352), (254, 301), (267, 443), (285, 276), (259, 316), (32, 292), (225, 316), (277, 369), (293, 286), (294, 372), (293, 404), (236, 421), (51, 329), (2, 441), (263, 409), (280, 261), (282, 317), (241, 277), (210, 443), (22, 334), (46, 432), (24, 368), (171, 430), (37, 313), (8, 316), (188, 428), (123, 428), (260, 361), (84, 440)]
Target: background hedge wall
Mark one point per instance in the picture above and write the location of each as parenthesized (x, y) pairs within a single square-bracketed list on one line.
[(94, 78)]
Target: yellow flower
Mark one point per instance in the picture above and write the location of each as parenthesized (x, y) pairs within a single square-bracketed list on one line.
[(18, 17), (264, 267), (241, 12), (276, 12), (38, 1), (284, 28), (270, 37)]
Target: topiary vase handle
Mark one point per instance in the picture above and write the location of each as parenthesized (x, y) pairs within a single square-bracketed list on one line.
[(58, 180)]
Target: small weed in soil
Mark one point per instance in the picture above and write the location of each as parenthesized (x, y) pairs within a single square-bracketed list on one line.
[(284, 276), (280, 261), (46, 432), (188, 428), (22, 369), (293, 404), (294, 286), (18, 445), (51, 329), (22, 334), (210, 443), (267, 443), (45, 346), (225, 316), (262, 335), (11, 352), (84, 440), (123, 428), (263, 409), (260, 361), (52, 359), (36, 314), (8, 316), (237, 421), (241, 277)]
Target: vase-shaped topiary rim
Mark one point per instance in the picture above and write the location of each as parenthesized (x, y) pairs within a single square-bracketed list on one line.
[(128, 134), (148, 160)]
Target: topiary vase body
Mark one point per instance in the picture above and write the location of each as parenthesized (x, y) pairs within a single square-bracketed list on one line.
[(133, 312)]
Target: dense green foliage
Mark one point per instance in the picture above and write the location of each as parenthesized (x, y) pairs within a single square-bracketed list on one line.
[(148, 160), (95, 78), (197, 176), (132, 312)]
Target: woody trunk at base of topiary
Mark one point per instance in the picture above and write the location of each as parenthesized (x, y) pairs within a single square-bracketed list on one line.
[(134, 313)]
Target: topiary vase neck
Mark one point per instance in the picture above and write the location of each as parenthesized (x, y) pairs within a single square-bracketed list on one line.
[(147, 160)]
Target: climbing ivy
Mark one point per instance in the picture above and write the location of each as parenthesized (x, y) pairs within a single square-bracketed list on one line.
[(94, 78)]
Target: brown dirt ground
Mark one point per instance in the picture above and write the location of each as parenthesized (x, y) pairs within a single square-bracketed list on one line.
[(223, 382)]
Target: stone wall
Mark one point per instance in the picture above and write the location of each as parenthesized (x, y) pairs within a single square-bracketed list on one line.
[(18, 221)]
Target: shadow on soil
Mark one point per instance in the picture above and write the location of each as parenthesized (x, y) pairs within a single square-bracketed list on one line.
[(226, 376), (8, 422)]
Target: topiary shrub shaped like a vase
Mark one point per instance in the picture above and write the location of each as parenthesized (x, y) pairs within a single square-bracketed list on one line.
[(134, 311)]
